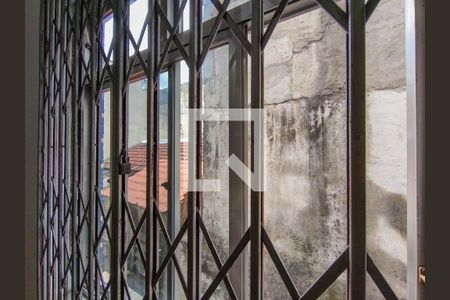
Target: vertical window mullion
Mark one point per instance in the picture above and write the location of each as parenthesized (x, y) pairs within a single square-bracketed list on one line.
[(151, 245), (92, 147), (257, 102), (155, 136), (194, 156), (174, 149), (123, 196), (117, 144), (49, 151), (238, 143), (62, 162), (356, 73), (174, 169), (75, 130)]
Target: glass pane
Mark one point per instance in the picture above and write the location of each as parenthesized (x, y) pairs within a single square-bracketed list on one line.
[(387, 145), (136, 183), (184, 137), (163, 171), (215, 205), (163, 146), (138, 13), (137, 143), (186, 17), (104, 249), (172, 206), (183, 127), (305, 208), (108, 33), (208, 10)]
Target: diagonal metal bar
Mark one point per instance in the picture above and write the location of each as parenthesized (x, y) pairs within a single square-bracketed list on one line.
[(102, 229), (137, 53), (66, 217), (169, 242), (125, 285), (99, 271), (83, 281), (279, 265), (105, 292), (81, 225), (137, 45), (216, 257), (136, 231), (335, 12), (237, 32), (228, 264), (155, 295), (273, 22), (327, 277), (371, 5), (170, 253), (106, 59), (379, 280), (105, 219), (172, 32), (213, 33), (147, 19), (170, 40), (68, 270)]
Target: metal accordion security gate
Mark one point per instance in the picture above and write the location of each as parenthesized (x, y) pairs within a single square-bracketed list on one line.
[(75, 70)]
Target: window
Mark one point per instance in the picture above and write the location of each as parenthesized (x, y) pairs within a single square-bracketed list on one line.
[(145, 117)]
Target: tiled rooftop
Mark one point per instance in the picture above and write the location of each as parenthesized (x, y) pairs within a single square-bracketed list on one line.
[(137, 180)]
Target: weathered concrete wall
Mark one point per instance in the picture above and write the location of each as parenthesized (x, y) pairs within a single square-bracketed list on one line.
[(216, 208), (305, 96), (305, 150), (386, 152)]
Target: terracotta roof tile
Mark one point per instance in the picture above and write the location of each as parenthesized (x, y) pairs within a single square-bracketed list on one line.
[(137, 180)]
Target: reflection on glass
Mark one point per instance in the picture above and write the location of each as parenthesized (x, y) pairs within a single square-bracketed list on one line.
[(208, 10)]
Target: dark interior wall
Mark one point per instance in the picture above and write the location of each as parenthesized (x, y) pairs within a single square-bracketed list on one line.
[(31, 144)]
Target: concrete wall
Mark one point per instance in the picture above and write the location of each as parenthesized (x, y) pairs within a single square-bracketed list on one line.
[(305, 150), (305, 208), (305, 154)]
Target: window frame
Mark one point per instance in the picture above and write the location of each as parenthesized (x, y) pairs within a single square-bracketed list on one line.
[(55, 50)]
